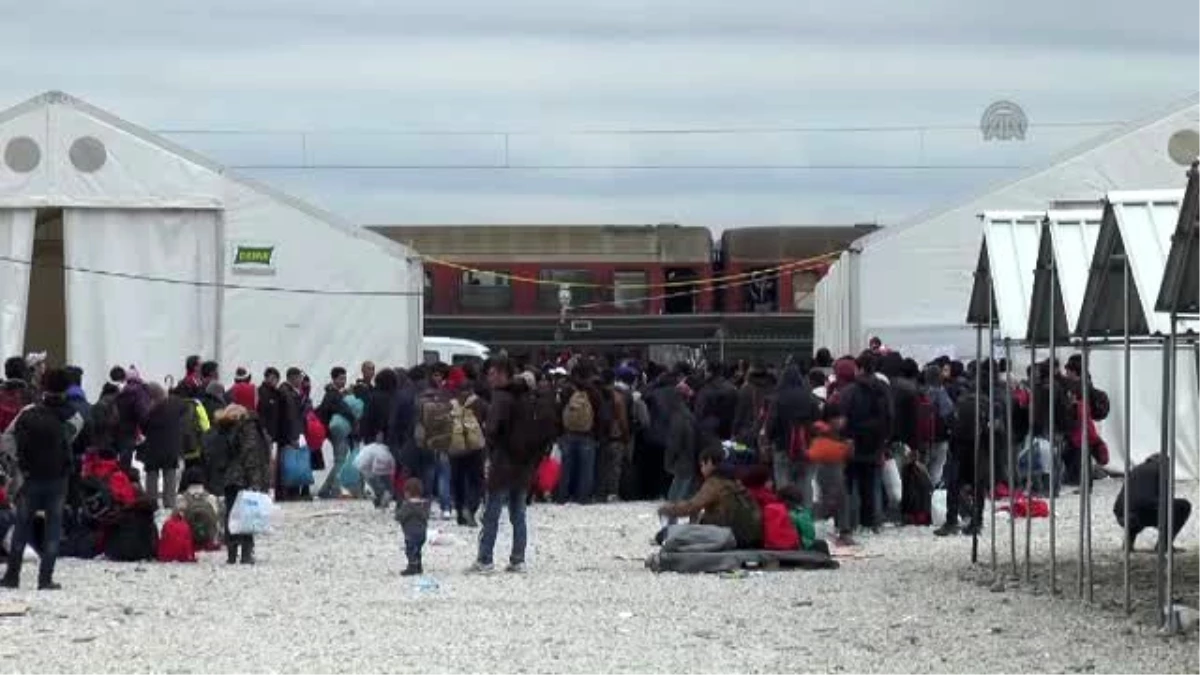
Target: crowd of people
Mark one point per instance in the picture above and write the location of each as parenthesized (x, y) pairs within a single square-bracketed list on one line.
[(861, 440)]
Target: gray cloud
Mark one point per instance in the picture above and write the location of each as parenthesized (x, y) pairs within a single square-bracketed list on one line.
[(545, 67)]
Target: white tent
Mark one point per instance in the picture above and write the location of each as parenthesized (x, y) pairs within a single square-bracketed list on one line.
[(117, 247), (1136, 229), (910, 282), (1006, 258)]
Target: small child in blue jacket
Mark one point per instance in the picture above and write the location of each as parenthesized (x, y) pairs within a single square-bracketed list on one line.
[(413, 516)]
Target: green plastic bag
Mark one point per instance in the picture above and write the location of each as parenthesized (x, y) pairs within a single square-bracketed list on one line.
[(803, 520)]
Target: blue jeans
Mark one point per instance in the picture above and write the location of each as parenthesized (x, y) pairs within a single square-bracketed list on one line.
[(442, 469), (514, 499), (381, 486), (413, 546), (578, 468), (38, 495), (332, 487)]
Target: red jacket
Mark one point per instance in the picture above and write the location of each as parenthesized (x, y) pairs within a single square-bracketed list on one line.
[(245, 395)]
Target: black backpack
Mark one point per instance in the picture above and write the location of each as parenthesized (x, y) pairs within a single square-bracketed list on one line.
[(97, 506), (134, 537)]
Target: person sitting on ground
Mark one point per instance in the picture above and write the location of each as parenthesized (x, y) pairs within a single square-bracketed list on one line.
[(1145, 496), (721, 501)]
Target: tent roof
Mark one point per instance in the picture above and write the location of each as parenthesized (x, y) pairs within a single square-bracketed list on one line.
[(1136, 227), (1006, 260), (1076, 153), (1067, 241), (52, 98), (1181, 279)]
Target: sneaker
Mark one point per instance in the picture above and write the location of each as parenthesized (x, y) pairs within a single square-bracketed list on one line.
[(49, 586), (612, 499), (947, 530), (482, 569), (515, 568), (447, 515)]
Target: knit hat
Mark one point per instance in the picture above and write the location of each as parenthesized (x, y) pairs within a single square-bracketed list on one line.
[(241, 375)]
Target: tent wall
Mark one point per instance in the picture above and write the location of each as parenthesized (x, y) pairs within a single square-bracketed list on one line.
[(917, 277), (1107, 369), (118, 319), (315, 331), (831, 311), (16, 255)]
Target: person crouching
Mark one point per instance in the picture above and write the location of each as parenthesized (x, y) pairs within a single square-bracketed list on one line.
[(413, 516)]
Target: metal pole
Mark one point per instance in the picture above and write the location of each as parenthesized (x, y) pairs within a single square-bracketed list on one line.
[(1012, 473), (1053, 435), (991, 436), (974, 482), (1165, 440), (1029, 450), (1127, 438), (1085, 479), (1167, 535)]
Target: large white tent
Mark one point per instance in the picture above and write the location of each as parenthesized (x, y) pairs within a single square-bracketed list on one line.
[(909, 283), (118, 247)]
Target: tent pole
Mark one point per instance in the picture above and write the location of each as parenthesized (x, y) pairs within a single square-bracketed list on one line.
[(1127, 437), (1052, 432), (219, 323), (1165, 537), (1029, 450), (1085, 480), (1012, 473), (974, 476), (1166, 441), (991, 436)]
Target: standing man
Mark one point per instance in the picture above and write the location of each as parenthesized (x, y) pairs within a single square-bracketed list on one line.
[(512, 440), (585, 422), (191, 385), (334, 404), (366, 383), (44, 434), (290, 429)]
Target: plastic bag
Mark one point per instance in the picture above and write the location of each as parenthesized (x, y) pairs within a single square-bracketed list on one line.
[(296, 468), (348, 474), (374, 459), (938, 511), (251, 513), (893, 487)]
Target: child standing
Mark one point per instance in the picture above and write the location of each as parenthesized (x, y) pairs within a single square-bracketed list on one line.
[(413, 516)]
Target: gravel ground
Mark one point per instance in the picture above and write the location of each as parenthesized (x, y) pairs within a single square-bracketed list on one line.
[(326, 597)]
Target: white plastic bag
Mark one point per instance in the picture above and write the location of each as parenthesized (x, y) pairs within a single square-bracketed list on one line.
[(375, 460), (251, 513), (938, 508), (892, 486)]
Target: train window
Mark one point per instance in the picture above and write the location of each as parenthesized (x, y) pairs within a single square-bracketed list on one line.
[(629, 290), (681, 291), (579, 281), (427, 293), (485, 290), (431, 357), (804, 286), (762, 292)]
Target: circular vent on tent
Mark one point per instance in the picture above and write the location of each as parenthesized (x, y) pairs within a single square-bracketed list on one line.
[(22, 154), (88, 154), (1184, 146)]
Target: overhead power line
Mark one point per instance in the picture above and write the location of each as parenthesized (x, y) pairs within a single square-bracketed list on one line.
[(627, 167)]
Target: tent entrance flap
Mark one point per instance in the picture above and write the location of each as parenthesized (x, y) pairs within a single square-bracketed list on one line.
[(141, 289), (46, 315)]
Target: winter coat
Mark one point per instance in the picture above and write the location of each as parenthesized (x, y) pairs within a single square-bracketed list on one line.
[(249, 456), (133, 405), (402, 425), (679, 456), (795, 406), (753, 395), (271, 410), (334, 403), (164, 431), (904, 410), (511, 440), (44, 435), (1144, 488), (866, 405), (377, 414), (291, 417), (716, 406), (244, 394)]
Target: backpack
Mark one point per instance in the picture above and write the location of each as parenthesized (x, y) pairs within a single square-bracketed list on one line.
[(97, 506), (578, 416), (746, 518), (435, 427), (468, 434), (134, 536), (175, 544), (621, 424), (916, 500), (1099, 403), (201, 517), (11, 404), (927, 421), (195, 426), (779, 532)]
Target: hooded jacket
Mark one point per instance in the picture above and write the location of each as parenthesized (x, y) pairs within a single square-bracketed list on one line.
[(679, 456), (44, 434), (794, 406), (164, 431), (248, 463), (716, 406), (754, 394), (511, 436)]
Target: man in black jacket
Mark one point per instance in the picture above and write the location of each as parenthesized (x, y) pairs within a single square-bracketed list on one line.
[(1144, 499), (716, 405), (44, 434)]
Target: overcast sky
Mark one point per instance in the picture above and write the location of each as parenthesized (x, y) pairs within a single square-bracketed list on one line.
[(354, 72)]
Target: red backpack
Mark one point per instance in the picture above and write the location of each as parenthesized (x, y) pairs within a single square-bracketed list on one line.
[(779, 532), (175, 542)]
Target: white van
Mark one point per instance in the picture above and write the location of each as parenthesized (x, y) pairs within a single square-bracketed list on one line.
[(453, 351)]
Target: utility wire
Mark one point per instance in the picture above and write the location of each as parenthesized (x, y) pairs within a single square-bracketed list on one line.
[(628, 167), (206, 284)]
